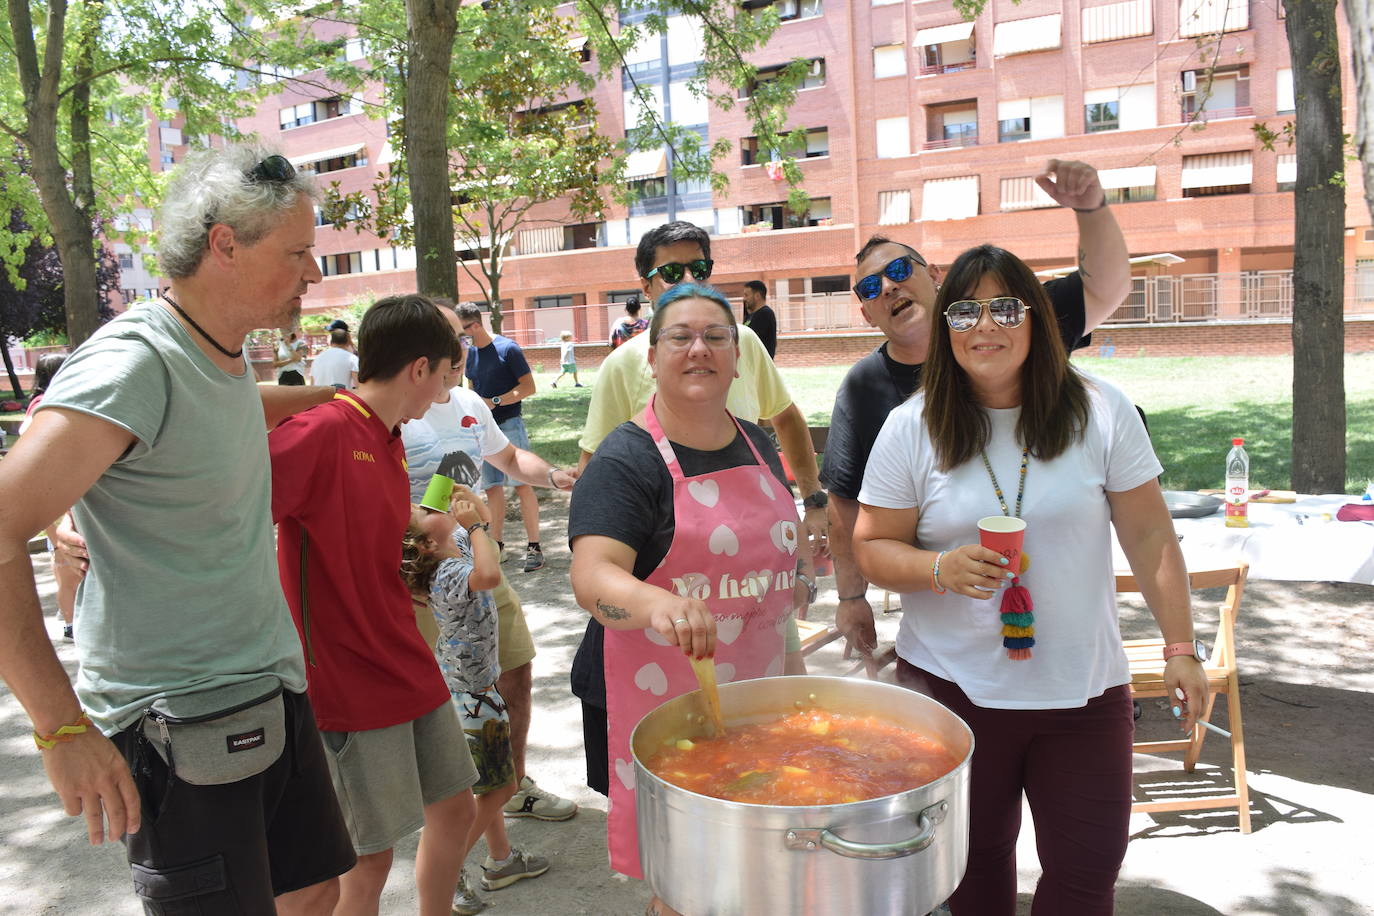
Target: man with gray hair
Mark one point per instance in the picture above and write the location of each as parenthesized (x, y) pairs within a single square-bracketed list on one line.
[(189, 733)]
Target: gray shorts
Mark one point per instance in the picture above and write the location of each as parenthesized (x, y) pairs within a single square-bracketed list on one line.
[(384, 777), (514, 428)]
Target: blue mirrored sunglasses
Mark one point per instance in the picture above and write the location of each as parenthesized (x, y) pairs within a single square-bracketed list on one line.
[(896, 271)]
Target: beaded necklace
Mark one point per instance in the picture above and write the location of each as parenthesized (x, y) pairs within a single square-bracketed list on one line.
[(1018, 618)]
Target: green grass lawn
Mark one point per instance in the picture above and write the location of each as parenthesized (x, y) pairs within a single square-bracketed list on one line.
[(1194, 405)]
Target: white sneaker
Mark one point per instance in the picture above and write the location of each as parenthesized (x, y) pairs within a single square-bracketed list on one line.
[(532, 801)]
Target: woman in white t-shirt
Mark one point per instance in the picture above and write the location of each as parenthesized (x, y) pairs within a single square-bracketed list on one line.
[(1004, 425)]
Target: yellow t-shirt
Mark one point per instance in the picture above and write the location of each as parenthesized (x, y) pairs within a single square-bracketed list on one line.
[(624, 384)]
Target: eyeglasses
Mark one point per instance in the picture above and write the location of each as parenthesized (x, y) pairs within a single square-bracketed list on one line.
[(1007, 311), (672, 272), (896, 271), (717, 337), (274, 168)]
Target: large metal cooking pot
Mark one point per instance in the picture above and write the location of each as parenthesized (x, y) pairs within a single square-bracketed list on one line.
[(900, 854)]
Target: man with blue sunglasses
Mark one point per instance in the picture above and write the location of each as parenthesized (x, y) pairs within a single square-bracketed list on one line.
[(896, 291)]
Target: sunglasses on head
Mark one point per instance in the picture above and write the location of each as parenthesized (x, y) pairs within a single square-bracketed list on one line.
[(896, 271), (274, 168), (673, 272), (1007, 311)]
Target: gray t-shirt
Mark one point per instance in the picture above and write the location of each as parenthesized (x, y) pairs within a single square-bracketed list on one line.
[(182, 593)]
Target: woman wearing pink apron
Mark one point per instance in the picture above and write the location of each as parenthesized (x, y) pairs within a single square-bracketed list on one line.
[(724, 585)]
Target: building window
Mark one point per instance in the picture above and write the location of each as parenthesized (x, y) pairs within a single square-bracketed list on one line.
[(1013, 130), (334, 163), (1129, 195), (553, 302), (1117, 20), (893, 137), (749, 151), (583, 235), (947, 48), (1223, 92), (830, 285), (1217, 173), (788, 10), (949, 198), (338, 106), (1287, 172), (1100, 116), (1284, 102), (952, 125), (333, 265), (813, 78), (129, 295), (894, 208), (1209, 17), (646, 188), (126, 260), (889, 60), (815, 145), (618, 296), (778, 216)]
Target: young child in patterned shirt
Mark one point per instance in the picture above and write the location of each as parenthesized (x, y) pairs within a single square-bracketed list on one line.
[(450, 556)]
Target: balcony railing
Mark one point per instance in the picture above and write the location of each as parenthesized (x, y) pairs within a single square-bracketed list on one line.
[(968, 138), (927, 69), (1246, 296), (1217, 114)]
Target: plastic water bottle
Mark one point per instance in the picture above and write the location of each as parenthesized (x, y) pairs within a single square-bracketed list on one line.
[(1237, 485)]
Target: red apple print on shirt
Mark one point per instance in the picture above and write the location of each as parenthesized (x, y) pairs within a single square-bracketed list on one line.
[(469, 421)]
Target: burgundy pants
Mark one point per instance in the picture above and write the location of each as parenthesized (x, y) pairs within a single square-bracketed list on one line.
[(1074, 766)]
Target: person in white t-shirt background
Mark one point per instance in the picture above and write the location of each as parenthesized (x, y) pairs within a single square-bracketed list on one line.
[(1004, 425), (567, 358), (290, 359), (337, 365)]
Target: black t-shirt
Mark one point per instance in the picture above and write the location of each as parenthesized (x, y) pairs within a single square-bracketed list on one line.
[(764, 323), (877, 383), (626, 493)]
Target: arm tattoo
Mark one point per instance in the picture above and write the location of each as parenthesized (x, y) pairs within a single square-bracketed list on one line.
[(611, 612), (1082, 262)]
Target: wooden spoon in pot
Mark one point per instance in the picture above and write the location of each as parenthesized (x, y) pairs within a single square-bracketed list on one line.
[(705, 669)]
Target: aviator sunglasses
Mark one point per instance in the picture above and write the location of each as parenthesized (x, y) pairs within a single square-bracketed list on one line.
[(673, 272), (1007, 311), (274, 168), (896, 271)]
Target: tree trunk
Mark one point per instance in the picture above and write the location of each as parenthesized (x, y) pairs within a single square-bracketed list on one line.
[(493, 270), (431, 26), (1362, 49), (1318, 251), (9, 369)]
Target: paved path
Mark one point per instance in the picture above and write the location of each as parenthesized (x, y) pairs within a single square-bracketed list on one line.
[(1309, 704)]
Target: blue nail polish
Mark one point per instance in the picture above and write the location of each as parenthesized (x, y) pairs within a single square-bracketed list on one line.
[(1177, 712), (1010, 574), (1003, 560)]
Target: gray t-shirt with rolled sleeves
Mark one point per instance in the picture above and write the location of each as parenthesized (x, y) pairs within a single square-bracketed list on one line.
[(182, 593)]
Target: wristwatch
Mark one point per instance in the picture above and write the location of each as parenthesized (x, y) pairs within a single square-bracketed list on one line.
[(1197, 649), (817, 500), (496, 400)]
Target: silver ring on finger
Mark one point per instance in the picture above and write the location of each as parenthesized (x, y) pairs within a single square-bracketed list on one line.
[(679, 620)]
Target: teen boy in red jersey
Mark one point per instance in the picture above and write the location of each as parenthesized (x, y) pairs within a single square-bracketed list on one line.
[(341, 498)]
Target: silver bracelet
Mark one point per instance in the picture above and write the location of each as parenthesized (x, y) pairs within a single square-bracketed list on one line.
[(485, 526), (551, 483)]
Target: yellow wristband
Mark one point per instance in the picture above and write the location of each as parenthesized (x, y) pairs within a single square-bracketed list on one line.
[(65, 733)]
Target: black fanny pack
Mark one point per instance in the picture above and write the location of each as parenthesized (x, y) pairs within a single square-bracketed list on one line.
[(219, 736)]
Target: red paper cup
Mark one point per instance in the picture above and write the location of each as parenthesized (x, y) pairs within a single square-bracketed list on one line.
[(1005, 535)]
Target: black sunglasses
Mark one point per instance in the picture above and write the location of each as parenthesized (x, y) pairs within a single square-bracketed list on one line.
[(896, 271), (274, 168), (673, 272)]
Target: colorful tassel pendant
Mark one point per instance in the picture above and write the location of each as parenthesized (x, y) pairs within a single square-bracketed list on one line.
[(1018, 621)]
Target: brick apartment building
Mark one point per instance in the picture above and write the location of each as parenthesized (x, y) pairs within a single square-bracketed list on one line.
[(927, 129)]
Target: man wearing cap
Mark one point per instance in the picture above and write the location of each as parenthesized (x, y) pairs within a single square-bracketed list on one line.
[(336, 367), (896, 291)]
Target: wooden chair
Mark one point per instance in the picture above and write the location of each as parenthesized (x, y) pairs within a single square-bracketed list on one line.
[(1146, 660)]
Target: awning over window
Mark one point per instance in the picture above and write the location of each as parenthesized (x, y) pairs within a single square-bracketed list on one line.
[(1140, 176), (894, 208), (949, 198), (327, 154), (541, 241), (1117, 20), (1021, 36), (941, 34), (646, 163), (1205, 17), (1217, 170)]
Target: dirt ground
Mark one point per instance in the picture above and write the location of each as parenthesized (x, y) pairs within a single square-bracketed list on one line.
[(1308, 697)]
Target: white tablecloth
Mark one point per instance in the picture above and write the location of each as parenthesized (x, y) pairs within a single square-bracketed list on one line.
[(1284, 541)]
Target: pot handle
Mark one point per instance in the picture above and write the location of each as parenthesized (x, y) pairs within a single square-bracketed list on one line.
[(811, 839)]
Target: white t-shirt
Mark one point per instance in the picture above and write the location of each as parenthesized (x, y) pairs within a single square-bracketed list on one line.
[(451, 439), (1077, 652), (286, 350), (334, 366)]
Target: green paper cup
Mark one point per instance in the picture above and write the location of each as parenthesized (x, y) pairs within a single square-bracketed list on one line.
[(437, 493)]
